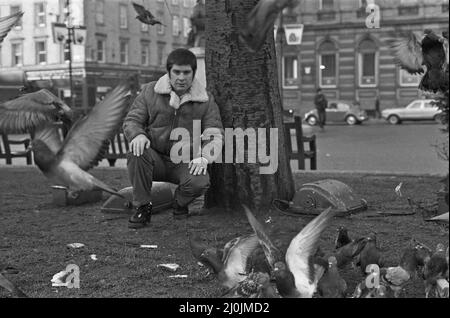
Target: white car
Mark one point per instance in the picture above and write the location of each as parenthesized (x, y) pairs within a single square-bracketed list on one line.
[(419, 109)]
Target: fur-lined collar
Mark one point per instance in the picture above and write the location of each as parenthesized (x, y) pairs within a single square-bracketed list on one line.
[(197, 93)]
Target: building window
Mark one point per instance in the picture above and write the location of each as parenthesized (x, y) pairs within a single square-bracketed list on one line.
[(145, 54), (123, 16), (15, 9), (290, 71), (41, 52), (175, 25), (326, 4), (407, 79), (328, 64), (160, 54), (367, 63), (39, 10), (144, 27), (100, 11), (124, 52), (101, 51), (186, 26), (17, 54), (160, 29)]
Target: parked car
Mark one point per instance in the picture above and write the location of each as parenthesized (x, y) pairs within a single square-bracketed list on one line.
[(339, 112), (419, 109)]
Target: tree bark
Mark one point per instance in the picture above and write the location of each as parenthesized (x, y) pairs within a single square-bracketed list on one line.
[(245, 87)]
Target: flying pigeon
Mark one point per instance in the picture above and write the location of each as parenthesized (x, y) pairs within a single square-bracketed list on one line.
[(7, 23), (297, 275), (332, 285), (66, 163), (436, 268), (32, 111), (412, 53), (261, 19), (144, 15)]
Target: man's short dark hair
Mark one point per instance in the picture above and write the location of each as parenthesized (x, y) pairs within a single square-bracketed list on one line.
[(181, 57)]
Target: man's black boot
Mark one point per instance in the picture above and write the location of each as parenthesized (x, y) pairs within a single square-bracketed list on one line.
[(141, 217), (180, 212)]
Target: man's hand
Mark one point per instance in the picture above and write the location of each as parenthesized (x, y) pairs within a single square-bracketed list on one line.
[(139, 144), (198, 166)]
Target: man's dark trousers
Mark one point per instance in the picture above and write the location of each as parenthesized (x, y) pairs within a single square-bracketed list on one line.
[(322, 117), (153, 166)]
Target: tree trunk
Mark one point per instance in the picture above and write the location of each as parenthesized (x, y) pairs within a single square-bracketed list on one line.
[(245, 87)]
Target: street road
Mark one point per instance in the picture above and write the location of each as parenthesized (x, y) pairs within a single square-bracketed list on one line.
[(378, 146), (372, 146)]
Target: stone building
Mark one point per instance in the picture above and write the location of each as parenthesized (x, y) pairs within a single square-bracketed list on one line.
[(347, 59), (114, 45)]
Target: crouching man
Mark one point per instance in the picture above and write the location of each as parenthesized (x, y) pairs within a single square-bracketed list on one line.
[(176, 100)]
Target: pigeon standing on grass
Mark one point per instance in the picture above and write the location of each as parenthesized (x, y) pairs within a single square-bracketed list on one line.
[(342, 238), (436, 268), (332, 285), (67, 162), (144, 15), (297, 275), (370, 254)]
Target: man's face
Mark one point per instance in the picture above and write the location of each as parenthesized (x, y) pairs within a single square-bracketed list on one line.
[(181, 77)]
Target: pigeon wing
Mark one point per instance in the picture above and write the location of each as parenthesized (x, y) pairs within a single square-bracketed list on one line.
[(272, 253), (139, 9), (89, 137), (235, 264), (304, 244), (29, 111), (49, 134), (408, 53)]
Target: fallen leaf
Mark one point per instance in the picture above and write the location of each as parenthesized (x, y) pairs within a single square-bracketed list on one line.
[(75, 245)]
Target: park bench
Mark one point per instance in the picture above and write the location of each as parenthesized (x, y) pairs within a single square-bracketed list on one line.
[(119, 147), (8, 154), (299, 153)]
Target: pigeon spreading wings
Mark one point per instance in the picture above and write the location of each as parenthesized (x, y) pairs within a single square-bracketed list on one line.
[(84, 145), (408, 53), (66, 162), (144, 15), (7, 23), (298, 274), (261, 19), (31, 111), (427, 54)]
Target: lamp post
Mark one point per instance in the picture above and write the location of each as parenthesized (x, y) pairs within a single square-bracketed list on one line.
[(280, 41), (69, 47)]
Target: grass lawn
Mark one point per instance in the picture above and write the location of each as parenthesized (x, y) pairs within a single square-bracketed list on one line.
[(34, 234)]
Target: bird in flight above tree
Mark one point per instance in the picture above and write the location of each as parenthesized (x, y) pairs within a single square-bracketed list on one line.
[(144, 15)]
